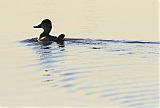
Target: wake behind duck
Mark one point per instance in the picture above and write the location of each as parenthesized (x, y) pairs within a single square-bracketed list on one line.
[(46, 39)]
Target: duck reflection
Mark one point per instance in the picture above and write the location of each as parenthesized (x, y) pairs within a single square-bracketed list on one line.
[(56, 71), (49, 57)]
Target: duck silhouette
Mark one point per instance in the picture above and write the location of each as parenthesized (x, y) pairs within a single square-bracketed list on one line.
[(45, 36)]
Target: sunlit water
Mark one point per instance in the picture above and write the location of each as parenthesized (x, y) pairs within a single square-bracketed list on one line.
[(85, 72)]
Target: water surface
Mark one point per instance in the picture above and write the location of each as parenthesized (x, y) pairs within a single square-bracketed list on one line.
[(85, 72)]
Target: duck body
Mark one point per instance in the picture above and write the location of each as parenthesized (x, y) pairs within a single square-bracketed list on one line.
[(46, 25), (51, 38)]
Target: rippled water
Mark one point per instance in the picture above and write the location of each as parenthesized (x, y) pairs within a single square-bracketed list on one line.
[(84, 72)]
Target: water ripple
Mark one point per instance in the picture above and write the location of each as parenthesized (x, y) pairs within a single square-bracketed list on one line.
[(118, 70)]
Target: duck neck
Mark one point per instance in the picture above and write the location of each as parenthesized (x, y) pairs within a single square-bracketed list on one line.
[(45, 33)]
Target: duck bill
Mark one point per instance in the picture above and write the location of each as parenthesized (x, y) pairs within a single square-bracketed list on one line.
[(38, 26)]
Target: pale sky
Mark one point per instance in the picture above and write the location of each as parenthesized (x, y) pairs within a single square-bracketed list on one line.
[(102, 19)]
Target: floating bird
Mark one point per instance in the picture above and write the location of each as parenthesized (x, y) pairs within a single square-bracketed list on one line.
[(45, 36)]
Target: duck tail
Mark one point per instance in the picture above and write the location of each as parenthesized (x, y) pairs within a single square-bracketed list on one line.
[(61, 37)]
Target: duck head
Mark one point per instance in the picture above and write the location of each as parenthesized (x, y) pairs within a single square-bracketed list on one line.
[(46, 25)]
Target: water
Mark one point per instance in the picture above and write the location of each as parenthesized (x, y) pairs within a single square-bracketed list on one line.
[(96, 72), (85, 72)]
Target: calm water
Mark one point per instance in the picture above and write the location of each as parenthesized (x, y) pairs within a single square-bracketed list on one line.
[(92, 73), (108, 73)]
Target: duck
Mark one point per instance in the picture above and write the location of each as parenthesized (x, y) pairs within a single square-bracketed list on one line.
[(45, 36)]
